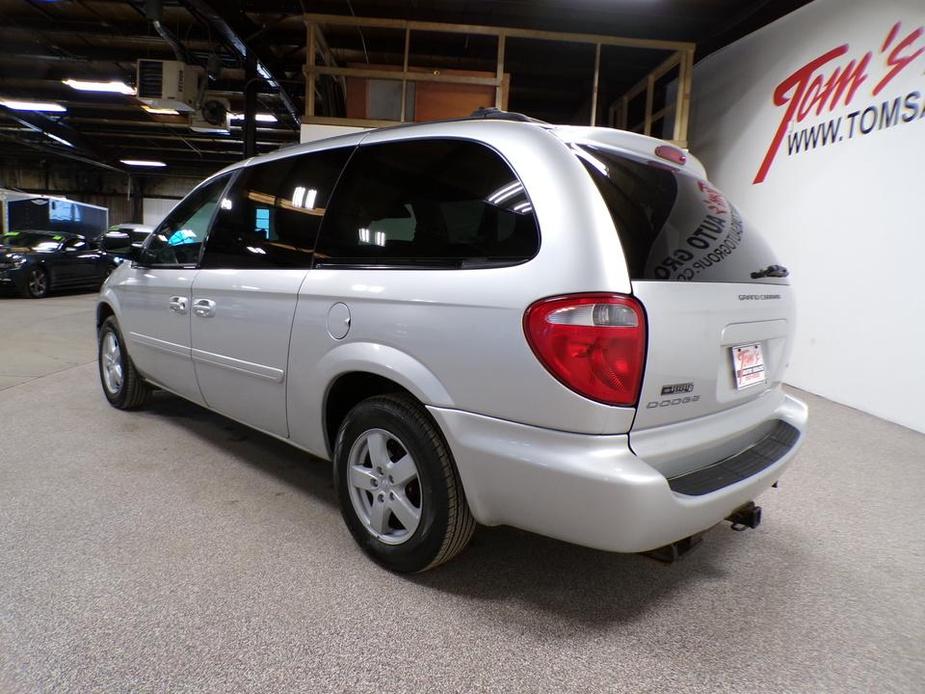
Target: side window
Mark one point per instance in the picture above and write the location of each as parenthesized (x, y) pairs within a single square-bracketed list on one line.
[(178, 239), (437, 203), (271, 216)]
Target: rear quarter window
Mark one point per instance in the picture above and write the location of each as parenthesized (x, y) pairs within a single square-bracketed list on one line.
[(676, 227), (438, 203)]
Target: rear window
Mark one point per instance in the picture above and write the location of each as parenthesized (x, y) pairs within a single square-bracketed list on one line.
[(675, 227)]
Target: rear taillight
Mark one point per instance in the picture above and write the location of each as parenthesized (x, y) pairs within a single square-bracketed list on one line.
[(593, 343)]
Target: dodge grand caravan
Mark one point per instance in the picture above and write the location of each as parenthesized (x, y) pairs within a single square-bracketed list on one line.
[(568, 330)]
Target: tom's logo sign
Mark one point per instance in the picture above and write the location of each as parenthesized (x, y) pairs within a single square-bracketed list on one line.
[(833, 80)]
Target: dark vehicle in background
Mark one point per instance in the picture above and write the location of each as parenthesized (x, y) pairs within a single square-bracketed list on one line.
[(35, 262)]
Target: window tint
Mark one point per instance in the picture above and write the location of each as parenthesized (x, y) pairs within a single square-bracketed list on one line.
[(271, 215), (440, 203), (178, 239), (674, 226)]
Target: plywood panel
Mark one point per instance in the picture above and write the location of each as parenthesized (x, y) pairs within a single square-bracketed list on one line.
[(436, 101), (433, 100)]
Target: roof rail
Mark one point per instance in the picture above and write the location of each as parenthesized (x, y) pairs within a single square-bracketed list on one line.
[(494, 113)]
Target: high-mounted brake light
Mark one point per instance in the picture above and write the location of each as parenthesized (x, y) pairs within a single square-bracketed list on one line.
[(594, 344), (672, 154)]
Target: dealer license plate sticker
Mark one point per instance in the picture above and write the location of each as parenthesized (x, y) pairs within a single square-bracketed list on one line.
[(748, 362)]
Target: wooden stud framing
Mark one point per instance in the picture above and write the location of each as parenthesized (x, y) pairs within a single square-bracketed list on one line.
[(657, 73), (594, 89), (310, 72), (624, 112), (374, 73), (682, 104), (499, 73), (438, 27), (404, 72), (682, 55), (353, 122)]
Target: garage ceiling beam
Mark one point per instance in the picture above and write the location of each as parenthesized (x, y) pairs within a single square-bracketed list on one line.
[(234, 31), (79, 148), (59, 152)]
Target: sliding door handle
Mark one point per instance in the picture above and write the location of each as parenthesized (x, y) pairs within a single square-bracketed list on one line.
[(204, 308)]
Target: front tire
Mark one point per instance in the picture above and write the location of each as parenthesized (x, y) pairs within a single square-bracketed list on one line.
[(36, 283), (122, 384), (399, 492)]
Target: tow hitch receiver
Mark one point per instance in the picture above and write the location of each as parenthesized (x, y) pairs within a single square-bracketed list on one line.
[(671, 553), (747, 516)]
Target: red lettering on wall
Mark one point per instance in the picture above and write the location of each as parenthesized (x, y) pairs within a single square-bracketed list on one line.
[(812, 89), (896, 61), (790, 93)]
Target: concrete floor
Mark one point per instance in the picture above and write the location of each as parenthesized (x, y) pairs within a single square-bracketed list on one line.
[(38, 338), (174, 550)]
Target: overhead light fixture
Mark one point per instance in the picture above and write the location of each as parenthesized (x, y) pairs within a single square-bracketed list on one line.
[(114, 87), (142, 162), (261, 117), (160, 111), (59, 139), (17, 105)]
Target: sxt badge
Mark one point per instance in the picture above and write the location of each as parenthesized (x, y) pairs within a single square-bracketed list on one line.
[(674, 388)]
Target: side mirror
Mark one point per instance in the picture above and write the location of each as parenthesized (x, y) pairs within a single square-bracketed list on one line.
[(119, 244), (144, 257)]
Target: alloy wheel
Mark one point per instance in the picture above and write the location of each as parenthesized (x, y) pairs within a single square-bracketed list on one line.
[(111, 355), (38, 284), (384, 486)]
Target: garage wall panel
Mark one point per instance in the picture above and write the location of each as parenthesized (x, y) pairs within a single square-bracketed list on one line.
[(155, 209), (815, 126)]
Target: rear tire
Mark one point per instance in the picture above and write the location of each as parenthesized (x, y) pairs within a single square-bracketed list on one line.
[(122, 384), (397, 485)]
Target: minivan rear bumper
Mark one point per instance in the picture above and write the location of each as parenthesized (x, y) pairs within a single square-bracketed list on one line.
[(591, 490)]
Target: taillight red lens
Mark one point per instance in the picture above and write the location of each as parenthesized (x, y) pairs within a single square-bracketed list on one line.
[(593, 343)]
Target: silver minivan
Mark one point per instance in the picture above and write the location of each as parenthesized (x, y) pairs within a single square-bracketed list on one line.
[(568, 330)]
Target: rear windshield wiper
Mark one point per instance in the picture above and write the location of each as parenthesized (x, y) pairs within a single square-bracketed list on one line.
[(771, 271)]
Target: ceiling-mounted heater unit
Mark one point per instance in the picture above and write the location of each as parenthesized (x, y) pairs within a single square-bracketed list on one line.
[(169, 84), (212, 117)]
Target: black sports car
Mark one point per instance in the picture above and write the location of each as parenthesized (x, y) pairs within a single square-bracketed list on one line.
[(35, 262)]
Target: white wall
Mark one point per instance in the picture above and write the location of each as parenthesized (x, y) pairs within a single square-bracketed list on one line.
[(155, 209), (312, 131), (847, 217)]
